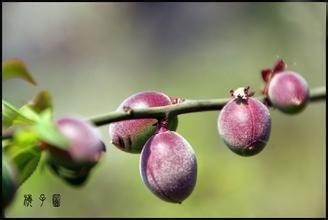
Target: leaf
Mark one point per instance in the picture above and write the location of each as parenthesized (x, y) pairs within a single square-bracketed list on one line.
[(25, 158), (76, 181), (15, 68), (6, 143), (10, 114), (9, 182), (41, 102), (26, 136), (42, 163), (28, 113), (23, 152), (49, 133), (72, 177)]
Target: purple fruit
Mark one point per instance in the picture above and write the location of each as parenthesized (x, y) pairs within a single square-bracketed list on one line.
[(285, 90), (288, 92), (85, 147), (244, 124), (131, 135), (168, 166)]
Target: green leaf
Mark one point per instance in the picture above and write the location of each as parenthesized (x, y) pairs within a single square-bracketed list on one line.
[(26, 136), (49, 133), (28, 113), (15, 68), (10, 114), (42, 101), (23, 152), (6, 143), (75, 178), (43, 162), (25, 158)]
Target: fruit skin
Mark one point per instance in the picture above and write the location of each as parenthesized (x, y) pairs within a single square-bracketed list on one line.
[(83, 153), (168, 166), (245, 126), (9, 183), (85, 146), (131, 135), (288, 92)]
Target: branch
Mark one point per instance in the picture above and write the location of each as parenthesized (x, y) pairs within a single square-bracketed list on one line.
[(187, 106)]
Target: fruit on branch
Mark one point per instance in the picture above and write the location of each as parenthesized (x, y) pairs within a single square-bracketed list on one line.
[(244, 123), (85, 146), (289, 92), (168, 166), (286, 90), (131, 135), (9, 182), (84, 150)]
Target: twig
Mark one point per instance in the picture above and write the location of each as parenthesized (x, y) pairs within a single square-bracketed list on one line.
[(187, 106)]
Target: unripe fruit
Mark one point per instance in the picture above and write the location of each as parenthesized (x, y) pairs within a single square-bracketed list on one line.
[(9, 183), (244, 124), (131, 135), (84, 150), (168, 166), (288, 92)]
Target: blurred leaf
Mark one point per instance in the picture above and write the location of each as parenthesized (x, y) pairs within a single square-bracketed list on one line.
[(26, 136), (73, 177), (28, 113), (15, 68), (41, 102), (6, 143), (48, 131), (23, 152), (43, 162), (10, 114), (9, 182), (25, 158), (76, 181)]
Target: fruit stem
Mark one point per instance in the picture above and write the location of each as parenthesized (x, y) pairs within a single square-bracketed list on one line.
[(162, 125)]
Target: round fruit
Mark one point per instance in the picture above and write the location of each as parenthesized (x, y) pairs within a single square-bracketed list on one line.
[(288, 92), (168, 166), (244, 124), (84, 151), (131, 135)]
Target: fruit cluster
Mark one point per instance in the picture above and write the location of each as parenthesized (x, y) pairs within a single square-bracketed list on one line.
[(168, 165)]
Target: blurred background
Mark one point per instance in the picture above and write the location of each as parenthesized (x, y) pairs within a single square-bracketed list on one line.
[(91, 56)]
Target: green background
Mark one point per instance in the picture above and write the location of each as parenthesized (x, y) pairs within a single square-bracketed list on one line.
[(91, 56)]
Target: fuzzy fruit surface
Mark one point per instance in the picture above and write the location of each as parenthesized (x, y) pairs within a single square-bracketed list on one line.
[(245, 126), (9, 183), (168, 166), (288, 92), (85, 147), (131, 135)]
